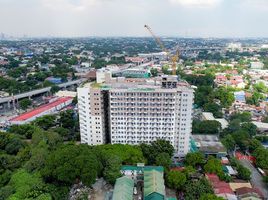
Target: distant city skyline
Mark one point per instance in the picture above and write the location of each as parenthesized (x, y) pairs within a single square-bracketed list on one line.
[(177, 18)]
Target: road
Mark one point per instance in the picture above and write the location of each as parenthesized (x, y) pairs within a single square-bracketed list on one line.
[(256, 178), (39, 91)]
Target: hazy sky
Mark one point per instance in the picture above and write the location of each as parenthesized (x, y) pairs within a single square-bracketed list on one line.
[(192, 18)]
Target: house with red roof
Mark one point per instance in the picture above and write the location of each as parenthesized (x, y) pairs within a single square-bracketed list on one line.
[(220, 79), (246, 193), (221, 188)]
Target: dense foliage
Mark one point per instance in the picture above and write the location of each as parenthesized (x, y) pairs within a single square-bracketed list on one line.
[(36, 163)]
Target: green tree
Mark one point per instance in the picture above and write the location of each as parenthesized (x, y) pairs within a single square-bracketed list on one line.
[(23, 183), (188, 171), (153, 72), (203, 95), (67, 120), (38, 158), (112, 169), (155, 148), (229, 142), (195, 189), (213, 166), (163, 159), (175, 180), (210, 197), (243, 117), (45, 122), (54, 89), (69, 163), (241, 138), (14, 145), (255, 98), (4, 177), (214, 108), (250, 128), (63, 132), (194, 159), (225, 96), (261, 156), (26, 130), (260, 87), (210, 127), (243, 172), (6, 191), (25, 103)]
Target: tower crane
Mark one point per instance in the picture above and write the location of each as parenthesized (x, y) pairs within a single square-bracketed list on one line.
[(173, 58)]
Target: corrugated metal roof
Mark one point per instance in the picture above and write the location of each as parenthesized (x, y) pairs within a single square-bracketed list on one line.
[(41, 109), (154, 188), (136, 168), (123, 189)]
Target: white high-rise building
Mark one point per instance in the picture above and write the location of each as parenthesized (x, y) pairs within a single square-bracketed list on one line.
[(127, 112)]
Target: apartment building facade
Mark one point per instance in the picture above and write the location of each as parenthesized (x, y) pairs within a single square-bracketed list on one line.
[(134, 113)]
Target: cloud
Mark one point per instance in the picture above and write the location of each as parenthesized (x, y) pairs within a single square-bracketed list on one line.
[(68, 5), (197, 3), (256, 3)]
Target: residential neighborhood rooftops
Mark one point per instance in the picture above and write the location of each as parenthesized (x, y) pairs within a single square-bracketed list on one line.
[(221, 188)]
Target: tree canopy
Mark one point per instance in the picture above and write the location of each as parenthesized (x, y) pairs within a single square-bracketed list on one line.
[(175, 179), (209, 127)]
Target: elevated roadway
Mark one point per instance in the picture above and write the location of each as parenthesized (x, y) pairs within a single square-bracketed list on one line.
[(39, 91)]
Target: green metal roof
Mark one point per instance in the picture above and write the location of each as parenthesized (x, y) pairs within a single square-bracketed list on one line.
[(123, 189), (129, 167), (155, 196), (157, 168), (154, 188), (145, 168)]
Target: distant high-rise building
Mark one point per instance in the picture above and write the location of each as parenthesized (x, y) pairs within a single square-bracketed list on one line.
[(256, 65), (127, 112), (234, 46), (2, 36)]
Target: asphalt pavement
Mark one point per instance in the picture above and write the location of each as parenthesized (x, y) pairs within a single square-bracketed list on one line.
[(256, 178)]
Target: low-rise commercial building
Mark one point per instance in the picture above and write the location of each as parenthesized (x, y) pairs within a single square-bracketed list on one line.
[(208, 145), (46, 109)]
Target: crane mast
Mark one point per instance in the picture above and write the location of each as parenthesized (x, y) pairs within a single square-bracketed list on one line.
[(173, 58)]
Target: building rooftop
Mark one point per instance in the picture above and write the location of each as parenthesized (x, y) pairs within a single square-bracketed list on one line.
[(41, 109), (249, 192), (123, 189), (145, 168), (261, 126), (154, 187), (140, 85), (208, 116), (208, 143)]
